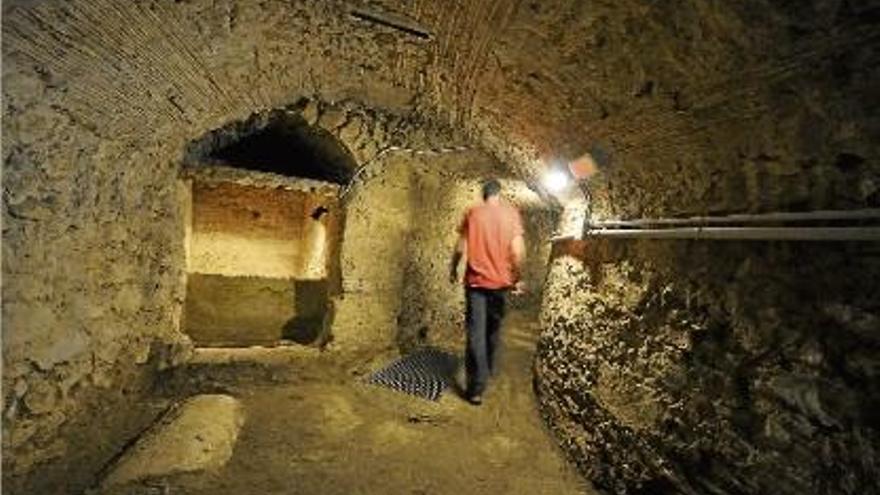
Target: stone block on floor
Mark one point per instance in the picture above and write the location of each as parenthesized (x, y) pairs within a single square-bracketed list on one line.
[(198, 434)]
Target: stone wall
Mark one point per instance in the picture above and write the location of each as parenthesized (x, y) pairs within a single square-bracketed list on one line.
[(727, 367), (240, 230), (715, 367), (541, 222), (376, 223), (432, 309), (100, 100), (92, 278), (782, 118)]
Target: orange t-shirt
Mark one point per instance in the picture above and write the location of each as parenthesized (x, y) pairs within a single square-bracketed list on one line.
[(490, 229)]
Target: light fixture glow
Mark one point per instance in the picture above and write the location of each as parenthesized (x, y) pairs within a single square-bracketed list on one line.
[(555, 180)]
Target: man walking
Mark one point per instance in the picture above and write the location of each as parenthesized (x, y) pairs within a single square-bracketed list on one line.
[(491, 239)]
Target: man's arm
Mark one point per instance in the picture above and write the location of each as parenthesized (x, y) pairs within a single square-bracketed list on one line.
[(518, 252), (457, 255)]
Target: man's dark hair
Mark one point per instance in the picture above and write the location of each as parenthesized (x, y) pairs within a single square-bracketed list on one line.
[(491, 188)]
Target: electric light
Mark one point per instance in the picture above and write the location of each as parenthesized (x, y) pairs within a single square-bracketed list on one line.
[(555, 180)]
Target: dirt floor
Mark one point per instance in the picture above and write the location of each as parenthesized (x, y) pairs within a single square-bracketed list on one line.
[(313, 428)]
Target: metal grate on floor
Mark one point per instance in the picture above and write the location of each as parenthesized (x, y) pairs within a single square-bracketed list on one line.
[(425, 373)]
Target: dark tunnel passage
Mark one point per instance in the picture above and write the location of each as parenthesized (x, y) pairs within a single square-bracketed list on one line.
[(228, 225)]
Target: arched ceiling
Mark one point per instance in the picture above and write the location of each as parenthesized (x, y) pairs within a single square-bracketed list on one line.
[(552, 79), (529, 81)]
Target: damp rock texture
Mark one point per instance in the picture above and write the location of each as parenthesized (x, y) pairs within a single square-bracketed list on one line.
[(694, 367), (100, 102), (713, 366)]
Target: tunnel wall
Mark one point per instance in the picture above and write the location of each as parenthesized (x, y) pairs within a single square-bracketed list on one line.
[(793, 130), (100, 99), (432, 311), (715, 367), (540, 224), (377, 219), (92, 279), (728, 367)]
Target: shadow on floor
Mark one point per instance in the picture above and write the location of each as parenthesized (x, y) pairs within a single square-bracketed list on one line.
[(311, 309)]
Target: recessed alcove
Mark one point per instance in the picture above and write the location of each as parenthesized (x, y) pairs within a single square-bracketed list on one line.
[(260, 263), (263, 231)]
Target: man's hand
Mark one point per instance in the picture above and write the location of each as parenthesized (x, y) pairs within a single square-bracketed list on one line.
[(457, 255), (518, 250)]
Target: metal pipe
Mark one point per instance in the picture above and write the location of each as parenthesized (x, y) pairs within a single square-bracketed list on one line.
[(744, 233), (810, 216)]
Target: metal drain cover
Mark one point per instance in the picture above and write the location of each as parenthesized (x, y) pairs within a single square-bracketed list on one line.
[(424, 373)]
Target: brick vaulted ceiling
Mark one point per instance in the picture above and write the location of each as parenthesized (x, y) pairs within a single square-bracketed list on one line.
[(555, 78), (530, 81)]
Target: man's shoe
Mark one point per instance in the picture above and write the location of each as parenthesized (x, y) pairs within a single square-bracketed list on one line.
[(475, 399)]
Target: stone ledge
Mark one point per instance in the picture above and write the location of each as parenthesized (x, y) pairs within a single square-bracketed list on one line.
[(196, 435)]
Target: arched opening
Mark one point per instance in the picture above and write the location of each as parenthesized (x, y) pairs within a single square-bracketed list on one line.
[(280, 142), (263, 232)]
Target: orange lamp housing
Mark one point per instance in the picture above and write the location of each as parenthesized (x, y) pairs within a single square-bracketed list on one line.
[(583, 167)]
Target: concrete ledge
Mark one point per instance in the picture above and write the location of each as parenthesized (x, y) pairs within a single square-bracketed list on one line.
[(196, 435), (277, 355)]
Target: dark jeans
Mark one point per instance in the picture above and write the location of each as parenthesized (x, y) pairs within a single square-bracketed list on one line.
[(485, 310)]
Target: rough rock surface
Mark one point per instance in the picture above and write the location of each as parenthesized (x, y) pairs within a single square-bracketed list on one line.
[(715, 367), (92, 278), (196, 435), (724, 367), (90, 335)]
